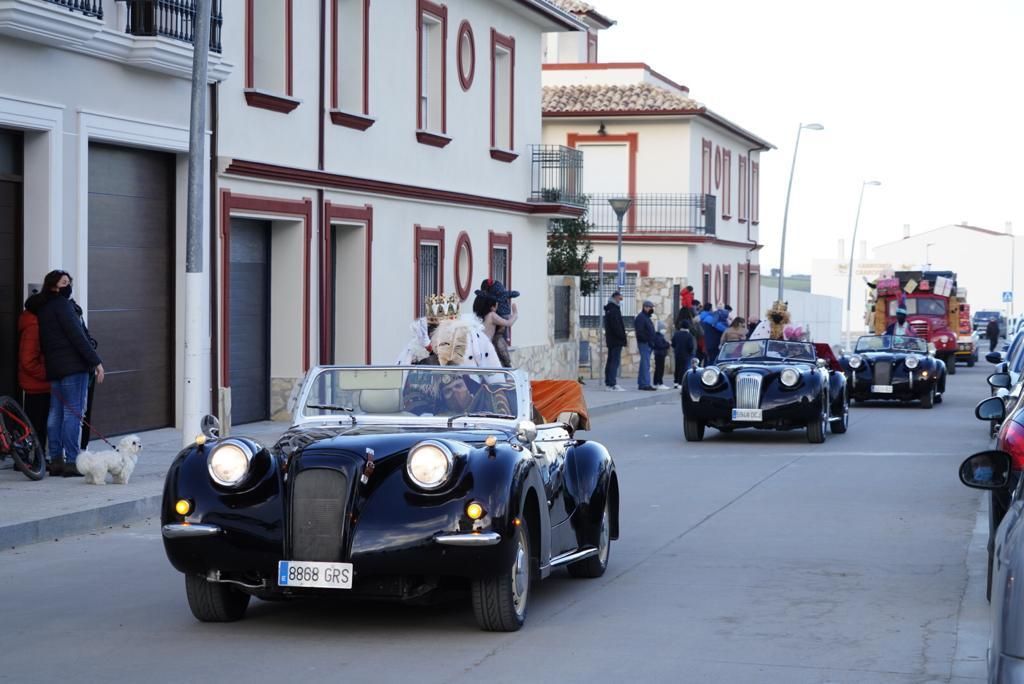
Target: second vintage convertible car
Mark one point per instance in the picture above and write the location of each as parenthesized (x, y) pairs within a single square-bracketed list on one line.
[(895, 367), (401, 483), (767, 384)]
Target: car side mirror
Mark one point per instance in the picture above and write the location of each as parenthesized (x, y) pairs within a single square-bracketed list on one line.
[(986, 470), (994, 357), (991, 409), (526, 431), (210, 427), (822, 363), (1000, 381)]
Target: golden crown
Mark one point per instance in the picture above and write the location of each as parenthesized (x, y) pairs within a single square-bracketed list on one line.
[(440, 307)]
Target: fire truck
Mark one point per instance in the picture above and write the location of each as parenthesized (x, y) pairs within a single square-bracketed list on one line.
[(933, 308)]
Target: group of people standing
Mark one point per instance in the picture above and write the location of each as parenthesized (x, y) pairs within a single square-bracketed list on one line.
[(699, 331), (57, 370)]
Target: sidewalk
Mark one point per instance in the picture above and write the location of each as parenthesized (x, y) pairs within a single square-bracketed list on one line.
[(58, 507)]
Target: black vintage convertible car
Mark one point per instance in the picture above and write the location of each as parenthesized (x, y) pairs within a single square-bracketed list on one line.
[(767, 384), (396, 482), (895, 367)]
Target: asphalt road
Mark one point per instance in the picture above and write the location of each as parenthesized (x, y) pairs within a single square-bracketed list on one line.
[(752, 557)]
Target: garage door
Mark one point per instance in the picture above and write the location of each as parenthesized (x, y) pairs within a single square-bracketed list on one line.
[(249, 320), (10, 259), (131, 293)]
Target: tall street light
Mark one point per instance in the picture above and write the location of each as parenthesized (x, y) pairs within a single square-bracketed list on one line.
[(849, 272), (785, 213), (620, 205)]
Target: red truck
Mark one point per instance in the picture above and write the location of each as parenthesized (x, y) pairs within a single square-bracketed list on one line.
[(933, 308)]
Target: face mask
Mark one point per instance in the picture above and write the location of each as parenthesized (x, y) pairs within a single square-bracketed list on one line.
[(65, 292)]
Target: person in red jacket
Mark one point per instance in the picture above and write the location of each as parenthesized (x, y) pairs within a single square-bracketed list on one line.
[(32, 367), (686, 298)]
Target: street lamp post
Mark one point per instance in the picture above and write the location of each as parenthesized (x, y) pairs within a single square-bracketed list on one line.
[(785, 213), (849, 271), (620, 205)]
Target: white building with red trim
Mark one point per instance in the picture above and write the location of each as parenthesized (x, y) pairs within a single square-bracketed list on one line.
[(370, 154), (693, 176)]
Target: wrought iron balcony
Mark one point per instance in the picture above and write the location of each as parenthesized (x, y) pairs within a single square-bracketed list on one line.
[(90, 8), (173, 19), (661, 214), (557, 174)]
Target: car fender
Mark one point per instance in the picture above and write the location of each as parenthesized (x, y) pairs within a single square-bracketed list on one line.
[(592, 482)]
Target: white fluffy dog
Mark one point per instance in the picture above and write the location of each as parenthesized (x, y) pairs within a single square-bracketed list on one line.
[(96, 464)]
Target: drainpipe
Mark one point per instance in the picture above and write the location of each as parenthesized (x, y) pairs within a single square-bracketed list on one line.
[(214, 313), (321, 133)]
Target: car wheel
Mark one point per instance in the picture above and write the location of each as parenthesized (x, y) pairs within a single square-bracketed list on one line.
[(214, 601), (816, 430), (499, 602), (840, 426), (693, 429), (928, 400), (597, 564)]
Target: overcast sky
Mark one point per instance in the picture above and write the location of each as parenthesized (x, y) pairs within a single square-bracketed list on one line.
[(926, 96)]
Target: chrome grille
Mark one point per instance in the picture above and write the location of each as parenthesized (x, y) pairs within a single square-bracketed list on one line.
[(883, 373), (748, 390), (920, 329), (319, 502)]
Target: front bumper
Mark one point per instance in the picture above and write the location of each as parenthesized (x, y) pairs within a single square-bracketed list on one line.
[(776, 415)]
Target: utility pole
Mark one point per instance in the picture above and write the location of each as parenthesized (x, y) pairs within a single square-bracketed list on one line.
[(197, 340)]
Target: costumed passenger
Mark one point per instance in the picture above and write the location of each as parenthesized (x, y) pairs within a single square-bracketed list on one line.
[(485, 306), (504, 297), (773, 327), (900, 326)]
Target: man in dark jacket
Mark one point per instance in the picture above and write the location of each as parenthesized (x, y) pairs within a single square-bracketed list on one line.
[(684, 347), (70, 359), (645, 332), (992, 333), (615, 340)]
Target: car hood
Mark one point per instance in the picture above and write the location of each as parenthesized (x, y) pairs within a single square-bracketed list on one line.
[(765, 369), (873, 357), (385, 440)]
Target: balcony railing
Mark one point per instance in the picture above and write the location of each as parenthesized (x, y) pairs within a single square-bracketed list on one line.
[(90, 8), (557, 174), (173, 19), (667, 214)]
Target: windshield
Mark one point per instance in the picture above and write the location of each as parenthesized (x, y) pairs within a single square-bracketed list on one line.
[(986, 315), (414, 391), (872, 343), (923, 306), (766, 350)]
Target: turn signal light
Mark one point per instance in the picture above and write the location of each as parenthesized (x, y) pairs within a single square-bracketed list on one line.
[(182, 507), (475, 511)]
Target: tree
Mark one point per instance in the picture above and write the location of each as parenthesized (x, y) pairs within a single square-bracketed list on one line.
[(569, 250)]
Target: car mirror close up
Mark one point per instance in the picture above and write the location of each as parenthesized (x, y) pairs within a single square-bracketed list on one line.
[(990, 409), (1000, 380), (994, 357), (986, 470)]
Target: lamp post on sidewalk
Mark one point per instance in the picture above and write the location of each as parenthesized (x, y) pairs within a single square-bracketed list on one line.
[(620, 205), (849, 272), (785, 213)]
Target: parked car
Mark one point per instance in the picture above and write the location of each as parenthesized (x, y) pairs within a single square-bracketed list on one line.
[(991, 470), (398, 483), (1009, 439), (1010, 359), (981, 319), (770, 385), (895, 367)]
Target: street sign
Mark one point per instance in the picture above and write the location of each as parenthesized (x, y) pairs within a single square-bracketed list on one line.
[(622, 274), (1007, 297)]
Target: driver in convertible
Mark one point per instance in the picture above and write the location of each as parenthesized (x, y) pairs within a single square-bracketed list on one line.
[(461, 394)]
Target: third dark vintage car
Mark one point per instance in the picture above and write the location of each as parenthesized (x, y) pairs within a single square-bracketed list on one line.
[(767, 384), (895, 367), (397, 483)]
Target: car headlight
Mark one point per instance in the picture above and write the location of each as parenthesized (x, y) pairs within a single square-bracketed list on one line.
[(912, 362), (710, 376), (855, 362), (943, 339), (429, 464), (229, 462), (789, 377)]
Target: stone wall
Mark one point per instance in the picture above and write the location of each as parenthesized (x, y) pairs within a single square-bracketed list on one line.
[(660, 292), (557, 360)]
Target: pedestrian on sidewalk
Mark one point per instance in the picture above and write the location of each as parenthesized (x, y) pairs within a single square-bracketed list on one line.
[(660, 345), (32, 368), (615, 340), (992, 333), (684, 348), (645, 332), (70, 359), (686, 299)]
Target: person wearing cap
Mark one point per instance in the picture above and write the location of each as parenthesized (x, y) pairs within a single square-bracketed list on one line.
[(900, 327), (643, 325), (660, 346), (615, 340)]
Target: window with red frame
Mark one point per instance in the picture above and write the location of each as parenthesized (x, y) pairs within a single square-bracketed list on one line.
[(591, 47), (350, 55), (429, 261), (503, 67), (726, 183), (705, 167), (705, 281), (269, 46), (742, 178), (755, 193), (432, 41)]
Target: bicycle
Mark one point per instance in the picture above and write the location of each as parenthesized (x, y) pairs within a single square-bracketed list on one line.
[(19, 440)]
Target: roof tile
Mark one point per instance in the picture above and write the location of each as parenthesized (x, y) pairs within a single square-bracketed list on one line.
[(614, 98)]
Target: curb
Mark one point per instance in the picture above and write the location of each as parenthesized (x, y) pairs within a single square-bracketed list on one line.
[(93, 519)]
